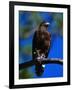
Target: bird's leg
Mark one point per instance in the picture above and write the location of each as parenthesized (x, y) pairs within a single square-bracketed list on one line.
[(38, 56), (42, 56), (38, 52)]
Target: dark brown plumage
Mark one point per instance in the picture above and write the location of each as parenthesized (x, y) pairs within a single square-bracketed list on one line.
[(41, 44), (41, 41)]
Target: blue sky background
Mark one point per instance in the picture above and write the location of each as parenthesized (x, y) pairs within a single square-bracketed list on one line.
[(28, 23)]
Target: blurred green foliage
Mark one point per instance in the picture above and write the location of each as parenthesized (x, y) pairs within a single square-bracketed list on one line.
[(25, 74), (58, 18), (26, 49), (28, 23), (24, 32)]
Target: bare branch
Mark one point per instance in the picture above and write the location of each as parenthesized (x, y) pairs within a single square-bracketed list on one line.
[(45, 61)]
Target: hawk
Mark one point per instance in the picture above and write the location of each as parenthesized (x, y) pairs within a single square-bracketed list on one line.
[(40, 46)]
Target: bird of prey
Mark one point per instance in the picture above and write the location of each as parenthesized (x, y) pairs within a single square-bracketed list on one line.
[(41, 46)]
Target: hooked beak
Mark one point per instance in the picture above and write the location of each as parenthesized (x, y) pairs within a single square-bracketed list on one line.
[(46, 24)]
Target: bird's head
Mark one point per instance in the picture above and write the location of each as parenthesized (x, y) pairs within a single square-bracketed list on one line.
[(44, 26)]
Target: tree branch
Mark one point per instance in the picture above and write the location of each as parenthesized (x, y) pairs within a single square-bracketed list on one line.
[(45, 61)]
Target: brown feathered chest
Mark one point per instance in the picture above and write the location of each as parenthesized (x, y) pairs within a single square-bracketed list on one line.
[(43, 40)]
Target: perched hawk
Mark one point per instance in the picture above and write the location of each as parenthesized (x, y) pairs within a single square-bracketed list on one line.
[(41, 45)]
